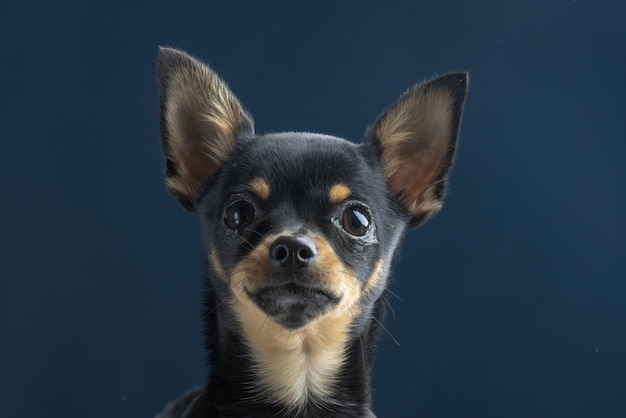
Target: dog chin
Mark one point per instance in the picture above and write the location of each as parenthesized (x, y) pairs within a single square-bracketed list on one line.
[(292, 305)]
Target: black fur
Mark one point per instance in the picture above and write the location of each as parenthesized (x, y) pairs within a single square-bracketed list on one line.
[(299, 169)]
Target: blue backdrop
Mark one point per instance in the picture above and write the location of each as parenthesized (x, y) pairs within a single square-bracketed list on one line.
[(511, 302)]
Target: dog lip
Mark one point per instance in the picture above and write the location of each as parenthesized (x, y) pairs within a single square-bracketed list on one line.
[(292, 304), (292, 289)]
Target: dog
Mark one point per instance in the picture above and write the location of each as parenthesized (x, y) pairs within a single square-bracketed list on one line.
[(300, 230)]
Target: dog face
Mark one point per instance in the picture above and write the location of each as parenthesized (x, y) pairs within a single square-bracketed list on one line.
[(300, 225), (301, 228)]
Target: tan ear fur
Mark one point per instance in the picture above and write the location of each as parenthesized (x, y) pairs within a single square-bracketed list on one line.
[(200, 118), (417, 138)]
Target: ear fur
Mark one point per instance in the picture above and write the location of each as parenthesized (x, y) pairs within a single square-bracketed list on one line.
[(200, 118), (416, 140)]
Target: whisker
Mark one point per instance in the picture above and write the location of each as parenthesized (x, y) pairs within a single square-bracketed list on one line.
[(255, 231), (393, 294), (299, 334), (387, 331), (267, 317), (360, 340), (237, 283), (353, 287), (386, 302), (246, 241), (222, 302), (350, 274), (215, 308)]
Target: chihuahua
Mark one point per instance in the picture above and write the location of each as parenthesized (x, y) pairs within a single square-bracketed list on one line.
[(300, 231)]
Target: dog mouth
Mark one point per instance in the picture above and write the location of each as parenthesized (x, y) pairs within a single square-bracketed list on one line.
[(293, 305)]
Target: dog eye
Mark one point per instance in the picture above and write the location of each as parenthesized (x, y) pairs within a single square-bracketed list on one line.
[(239, 214), (355, 221)]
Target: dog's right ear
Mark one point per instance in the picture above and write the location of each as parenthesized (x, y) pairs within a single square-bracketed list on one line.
[(416, 139), (200, 118)]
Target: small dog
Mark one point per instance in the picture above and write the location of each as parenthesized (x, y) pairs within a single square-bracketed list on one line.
[(300, 233)]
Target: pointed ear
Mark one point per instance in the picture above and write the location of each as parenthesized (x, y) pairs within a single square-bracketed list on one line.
[(200, 119), (416, 138)]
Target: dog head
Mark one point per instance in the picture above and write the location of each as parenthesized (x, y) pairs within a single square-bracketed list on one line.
[(301, 228)]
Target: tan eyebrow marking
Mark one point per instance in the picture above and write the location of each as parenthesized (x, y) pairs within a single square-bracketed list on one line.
[(339, 192), (259, 187)]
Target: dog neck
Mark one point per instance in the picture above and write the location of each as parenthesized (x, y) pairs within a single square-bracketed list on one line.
[(283, 373)]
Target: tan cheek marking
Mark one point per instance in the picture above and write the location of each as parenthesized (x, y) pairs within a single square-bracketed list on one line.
[(374, 278), (339, 192), (259, 187), (217, 265), (293, 365), (335, 275)]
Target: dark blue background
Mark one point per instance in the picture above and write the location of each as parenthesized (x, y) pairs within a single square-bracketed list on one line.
[(512, 299)]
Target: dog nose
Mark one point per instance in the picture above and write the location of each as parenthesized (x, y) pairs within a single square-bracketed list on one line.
[(293, 251)]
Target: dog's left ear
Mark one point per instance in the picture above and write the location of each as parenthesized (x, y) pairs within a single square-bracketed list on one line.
[(200, 119), (416, 139)]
